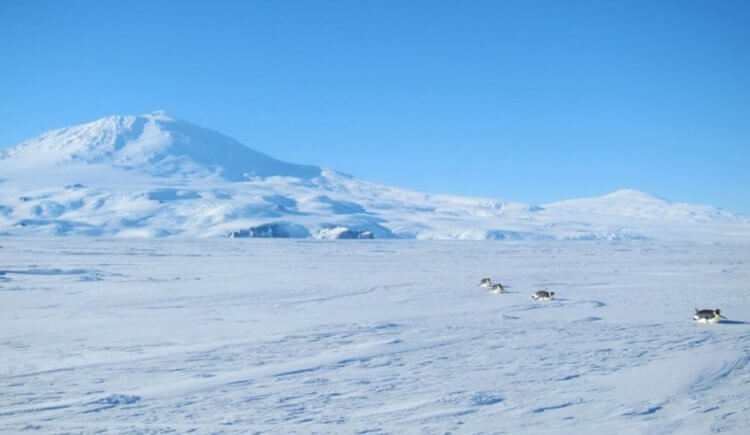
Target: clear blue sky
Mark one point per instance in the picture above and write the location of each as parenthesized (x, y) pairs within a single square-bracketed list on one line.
[(526, 100)]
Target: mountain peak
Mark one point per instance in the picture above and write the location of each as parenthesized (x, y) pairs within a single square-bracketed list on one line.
[(633, 194), (156, 143), (161, 115)]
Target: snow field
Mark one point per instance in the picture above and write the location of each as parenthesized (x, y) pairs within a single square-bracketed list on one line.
[(303, 336)]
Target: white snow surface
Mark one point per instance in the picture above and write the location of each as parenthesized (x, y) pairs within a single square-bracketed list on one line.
[(217, 335), (157, 175)]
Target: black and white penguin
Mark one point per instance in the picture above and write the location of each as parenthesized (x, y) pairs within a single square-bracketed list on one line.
[(498, 288), (543, 295), (485, 283), (707, 316)]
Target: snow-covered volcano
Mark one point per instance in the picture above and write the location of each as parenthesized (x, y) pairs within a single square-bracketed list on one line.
[(157, 144), (158, 175)]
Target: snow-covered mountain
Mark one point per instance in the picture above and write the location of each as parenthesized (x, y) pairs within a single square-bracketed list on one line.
[(157, 144), (157, 175)]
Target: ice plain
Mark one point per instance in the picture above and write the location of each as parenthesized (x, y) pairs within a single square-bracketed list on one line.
[(218, 335)]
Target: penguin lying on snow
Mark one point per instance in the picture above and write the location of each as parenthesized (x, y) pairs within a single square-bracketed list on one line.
[(543, 295), (485, 283), (707, 316), (498, 288)]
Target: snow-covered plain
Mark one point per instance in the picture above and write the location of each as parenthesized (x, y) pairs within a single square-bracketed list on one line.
[(219, 335)]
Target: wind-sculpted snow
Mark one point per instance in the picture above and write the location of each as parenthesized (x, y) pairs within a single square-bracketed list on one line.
[(305, 336), (156, 175)]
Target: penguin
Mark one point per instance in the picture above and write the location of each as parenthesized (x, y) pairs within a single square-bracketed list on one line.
[(485, 283), (498, 288), (543, 295), (707, 316)]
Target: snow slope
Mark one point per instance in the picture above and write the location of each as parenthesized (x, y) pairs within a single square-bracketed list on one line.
[(157, 175), (306, 336)]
